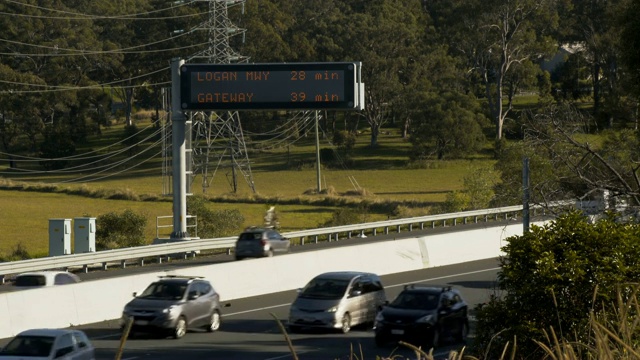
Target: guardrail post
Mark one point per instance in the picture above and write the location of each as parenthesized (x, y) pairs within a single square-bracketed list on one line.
[(444, 223), (159, 259), (349, 235), (433, 224), (316, 238), (123, 264), (104, 266), (421, 226), (85, 268), (375, 231), (329, 237), (141, 261), (1, 279), (386, 229), (455, 222), (410, 227)]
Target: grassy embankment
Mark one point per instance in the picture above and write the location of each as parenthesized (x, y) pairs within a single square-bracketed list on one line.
[(282, 178)]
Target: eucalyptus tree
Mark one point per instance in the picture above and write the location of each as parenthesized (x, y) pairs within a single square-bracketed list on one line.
[(629, 22), (387, 36), (564, 164), (592, 26), (267, 25), (449, 124), (52, 51), (496, 38)]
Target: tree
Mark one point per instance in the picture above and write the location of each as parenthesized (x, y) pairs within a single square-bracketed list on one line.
[(387, 36), (568, 166), (449, 124), (497, 38), (555, 276)]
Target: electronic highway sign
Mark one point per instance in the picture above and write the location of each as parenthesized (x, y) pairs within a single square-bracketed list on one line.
[(271, 86)]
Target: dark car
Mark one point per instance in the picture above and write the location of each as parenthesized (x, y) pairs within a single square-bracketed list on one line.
[(260, 242), (423, 315), (172, 305)]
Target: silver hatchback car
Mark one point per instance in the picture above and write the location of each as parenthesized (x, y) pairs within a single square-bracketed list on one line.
[(260, 242), (337, 300), (43, 344), (174, 304)]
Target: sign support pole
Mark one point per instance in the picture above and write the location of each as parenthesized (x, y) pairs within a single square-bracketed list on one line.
[(318, 155), (178, 152)]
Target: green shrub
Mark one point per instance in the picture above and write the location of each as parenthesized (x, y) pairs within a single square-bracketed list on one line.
[(120, 230), (213, 224)]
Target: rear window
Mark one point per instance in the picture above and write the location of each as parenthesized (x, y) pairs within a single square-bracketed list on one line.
[(30, 280), (250, 236)]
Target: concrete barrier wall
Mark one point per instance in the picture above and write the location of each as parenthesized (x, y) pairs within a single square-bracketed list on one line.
[(99, 300)]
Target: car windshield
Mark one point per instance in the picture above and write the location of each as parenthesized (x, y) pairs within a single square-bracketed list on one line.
[(30, 280), (325, 289), (164, 291), (29, 346), (416, 301)]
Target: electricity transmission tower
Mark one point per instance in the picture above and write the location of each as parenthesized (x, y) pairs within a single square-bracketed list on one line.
[(216, 139)]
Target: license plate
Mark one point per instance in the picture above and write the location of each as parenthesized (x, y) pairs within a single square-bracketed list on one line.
[(397, 331), (141, 322)]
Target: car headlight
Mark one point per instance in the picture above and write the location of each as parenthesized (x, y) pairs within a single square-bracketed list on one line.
[(333, 309), (168, 310), (425, 319)]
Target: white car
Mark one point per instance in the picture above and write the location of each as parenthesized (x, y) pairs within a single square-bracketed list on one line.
[(45, 278), (43, 344)]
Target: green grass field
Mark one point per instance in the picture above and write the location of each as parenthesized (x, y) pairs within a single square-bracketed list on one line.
[(382, 172)]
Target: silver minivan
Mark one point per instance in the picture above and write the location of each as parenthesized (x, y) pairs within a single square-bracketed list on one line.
[(337, 300)]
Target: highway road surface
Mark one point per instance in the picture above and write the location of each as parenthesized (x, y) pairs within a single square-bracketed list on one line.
[(250, 329)]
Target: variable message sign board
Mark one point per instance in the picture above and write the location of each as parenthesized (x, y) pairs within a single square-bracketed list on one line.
[(270, 86)]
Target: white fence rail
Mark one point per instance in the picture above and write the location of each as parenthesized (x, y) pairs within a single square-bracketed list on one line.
[(191, 247)]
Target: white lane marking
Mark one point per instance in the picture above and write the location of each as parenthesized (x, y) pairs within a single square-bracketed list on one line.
[(287, 304), (444, 277), (259, 309), (289, 355)]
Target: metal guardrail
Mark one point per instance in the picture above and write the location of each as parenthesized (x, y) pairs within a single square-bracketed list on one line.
[(191, 247)]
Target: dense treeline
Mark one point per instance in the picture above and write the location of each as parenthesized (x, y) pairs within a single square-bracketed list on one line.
[(446, 73)]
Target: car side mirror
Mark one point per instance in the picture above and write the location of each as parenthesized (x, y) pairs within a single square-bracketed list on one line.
[(356, 292), (134, 294), (193, 296)]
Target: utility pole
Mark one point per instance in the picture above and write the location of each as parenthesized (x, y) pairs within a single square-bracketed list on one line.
[(526, 196)]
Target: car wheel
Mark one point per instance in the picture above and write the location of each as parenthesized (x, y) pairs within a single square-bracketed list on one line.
[(214, 323), (181, 328), (380, 341), (294, 329), (346, 323), (464, 331), (434, 339)]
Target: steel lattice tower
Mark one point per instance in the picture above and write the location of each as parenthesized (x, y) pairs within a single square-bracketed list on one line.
[(217, 137)]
